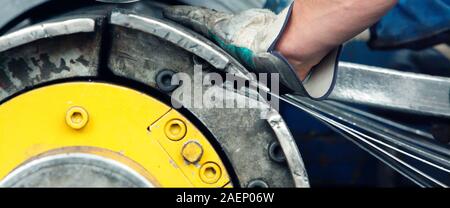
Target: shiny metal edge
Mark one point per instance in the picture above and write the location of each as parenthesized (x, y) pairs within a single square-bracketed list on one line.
[(46, 30), (394, 90), (289, 146), (172, 34)]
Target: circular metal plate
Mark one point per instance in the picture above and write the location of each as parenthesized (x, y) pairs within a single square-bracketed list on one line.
[(75, 170)]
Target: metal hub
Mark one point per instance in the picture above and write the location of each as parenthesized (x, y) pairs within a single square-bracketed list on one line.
[(75, 170)]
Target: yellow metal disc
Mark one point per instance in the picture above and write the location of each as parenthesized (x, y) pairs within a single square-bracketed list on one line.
[(108, 120)]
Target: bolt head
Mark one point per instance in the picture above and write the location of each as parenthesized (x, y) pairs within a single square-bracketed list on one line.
[(77, 118), (175, 130), (192, 151), (210, 173)]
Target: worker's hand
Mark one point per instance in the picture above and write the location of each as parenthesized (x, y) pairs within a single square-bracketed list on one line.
[(252, 37)]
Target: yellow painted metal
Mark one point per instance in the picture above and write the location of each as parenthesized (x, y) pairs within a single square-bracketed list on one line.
[(175, 130), (192, 151), (210, 173), (192, 171), (77, 117), (90, 117), (230, 185)]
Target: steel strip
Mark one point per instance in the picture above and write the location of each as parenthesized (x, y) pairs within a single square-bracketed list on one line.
[(395, 90), (172, 34), (382, 120), (46, 30)]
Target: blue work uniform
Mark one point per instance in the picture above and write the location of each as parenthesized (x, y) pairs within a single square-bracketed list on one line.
[(413, 24)]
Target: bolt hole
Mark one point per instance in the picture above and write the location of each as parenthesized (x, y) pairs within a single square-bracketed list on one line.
[(76, 117), (167, 80), (210, 172), (175, 129), (276, 153), (164, 80)]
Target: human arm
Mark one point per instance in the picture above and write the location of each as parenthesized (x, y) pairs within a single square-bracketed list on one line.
[(318, 26)]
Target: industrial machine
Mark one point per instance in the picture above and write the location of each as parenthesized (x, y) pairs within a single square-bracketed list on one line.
[(86, 101)]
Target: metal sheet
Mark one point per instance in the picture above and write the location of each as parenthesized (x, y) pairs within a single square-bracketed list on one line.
[(389, 89)]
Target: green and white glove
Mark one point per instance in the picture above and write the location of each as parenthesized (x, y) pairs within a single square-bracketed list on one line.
[(251, 37)]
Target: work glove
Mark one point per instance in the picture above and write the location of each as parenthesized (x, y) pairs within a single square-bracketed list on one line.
[(251, 37)]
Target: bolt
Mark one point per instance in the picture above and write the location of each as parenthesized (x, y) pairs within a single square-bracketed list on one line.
[(175, 130), (210, 173), (276, 153), (258, 183), (164, 80), (192, 151), (77, 118)]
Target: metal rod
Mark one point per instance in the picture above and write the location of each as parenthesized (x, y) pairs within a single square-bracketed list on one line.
[(387, 161), (358, 135), (381, 120)]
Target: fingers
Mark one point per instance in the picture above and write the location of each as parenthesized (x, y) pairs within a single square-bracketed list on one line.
[(200, 19)]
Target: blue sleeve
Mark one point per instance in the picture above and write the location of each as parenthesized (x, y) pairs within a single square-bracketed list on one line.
[(277, 6), (413, 24)]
